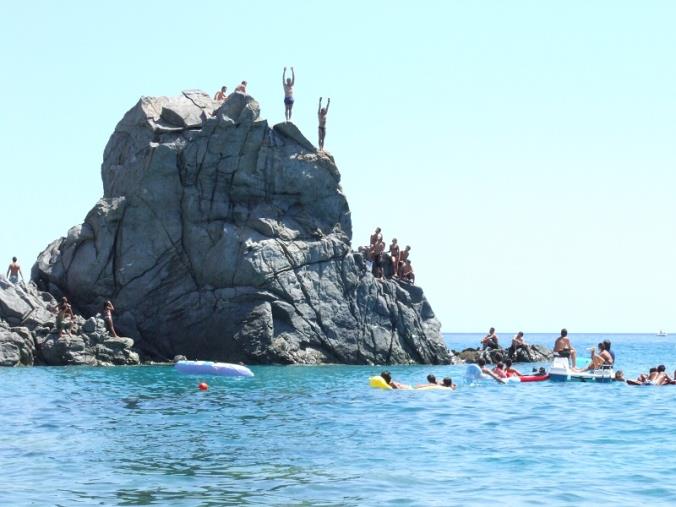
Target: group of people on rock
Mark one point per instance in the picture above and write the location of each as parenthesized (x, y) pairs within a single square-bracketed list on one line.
[(492, 342), (287, 84), (65, 318), (391, 263), (431, 382)]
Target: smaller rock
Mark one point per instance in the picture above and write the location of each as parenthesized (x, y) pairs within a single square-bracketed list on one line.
[(530, 354)]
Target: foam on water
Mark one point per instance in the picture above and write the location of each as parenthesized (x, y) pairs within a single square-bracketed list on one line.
[(321, 436)]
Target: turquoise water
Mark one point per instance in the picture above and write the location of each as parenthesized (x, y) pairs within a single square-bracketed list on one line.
[(320, 436)]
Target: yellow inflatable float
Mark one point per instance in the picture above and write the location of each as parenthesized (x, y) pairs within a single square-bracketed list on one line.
[(378, 382)]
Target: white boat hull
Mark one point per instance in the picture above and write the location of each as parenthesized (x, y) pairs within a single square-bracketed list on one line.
[(560, 371)]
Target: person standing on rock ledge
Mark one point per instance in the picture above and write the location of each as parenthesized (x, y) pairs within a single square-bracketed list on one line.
[(288, 83), (13, 272), (221, 95), (321, 115), (108, 310)]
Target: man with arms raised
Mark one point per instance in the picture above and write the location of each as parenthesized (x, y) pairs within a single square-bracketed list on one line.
[(563, 347), (288, 83)]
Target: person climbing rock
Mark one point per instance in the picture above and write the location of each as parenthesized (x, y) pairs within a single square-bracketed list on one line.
[(288, 83), (321, 115), (13, 272), (221, 94)]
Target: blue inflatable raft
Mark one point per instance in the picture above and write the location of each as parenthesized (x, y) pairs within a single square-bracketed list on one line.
[(211, 368)]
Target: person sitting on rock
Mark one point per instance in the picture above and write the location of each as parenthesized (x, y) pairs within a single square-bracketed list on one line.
[(407, 273), (108, 310), (431, 382), (518, 342), (481, 363), (511, 371), (564, 348), (287, 84), (13, 272), (405, 253), (448, 382), (394, 385), (394, 256), (490, 341), (64, 311), (321, 115), (241, 88), (221, 95)]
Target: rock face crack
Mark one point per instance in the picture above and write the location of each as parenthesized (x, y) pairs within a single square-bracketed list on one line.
[(222, 238)]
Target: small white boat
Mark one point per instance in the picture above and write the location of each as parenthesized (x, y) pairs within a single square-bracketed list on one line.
[(560, 371), (662, 332)]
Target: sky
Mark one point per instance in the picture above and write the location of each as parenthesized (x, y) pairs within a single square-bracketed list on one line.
[(524, 149)]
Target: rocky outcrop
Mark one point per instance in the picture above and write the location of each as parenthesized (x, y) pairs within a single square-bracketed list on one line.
[(219, 237), (27, 334), (529, 354)]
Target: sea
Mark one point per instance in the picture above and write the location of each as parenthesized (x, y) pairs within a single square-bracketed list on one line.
[(320, 436)]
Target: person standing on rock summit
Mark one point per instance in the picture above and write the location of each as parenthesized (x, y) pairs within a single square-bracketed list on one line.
[(288, 83), (321, 115), (13, 272)]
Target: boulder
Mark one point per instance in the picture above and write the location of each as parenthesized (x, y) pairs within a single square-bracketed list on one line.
[(530, 354), (226, 239), (17, 347)]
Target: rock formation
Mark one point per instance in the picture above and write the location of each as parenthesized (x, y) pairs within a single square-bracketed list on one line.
[(529, 354), (219, 237), (27, 334)]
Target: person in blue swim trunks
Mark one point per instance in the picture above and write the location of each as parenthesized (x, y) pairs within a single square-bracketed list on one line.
[(288, 83)]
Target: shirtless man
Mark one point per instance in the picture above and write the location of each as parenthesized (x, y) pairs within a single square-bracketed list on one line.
[(64, 311), (241, 88), (394, 256), (405, 253), (13, 272), (288, 83), (407, 272), (563, 347), (378, 250), (321, 115), (518, 342), (220, 94), (108, 310), (490, 341)]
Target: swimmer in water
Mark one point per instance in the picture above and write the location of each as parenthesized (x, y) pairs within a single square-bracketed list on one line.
[(387, 377)]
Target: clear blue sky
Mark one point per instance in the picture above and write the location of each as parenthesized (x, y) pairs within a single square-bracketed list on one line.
[(524, 149)]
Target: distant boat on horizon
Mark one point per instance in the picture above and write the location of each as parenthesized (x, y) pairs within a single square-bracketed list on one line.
[(662, 332)]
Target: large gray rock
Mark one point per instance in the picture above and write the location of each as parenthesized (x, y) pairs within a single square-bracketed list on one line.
[(230, 240), (27, 337), (532, 353)]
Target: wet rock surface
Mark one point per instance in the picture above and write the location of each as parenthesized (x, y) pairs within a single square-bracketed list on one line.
[(220, 237)]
